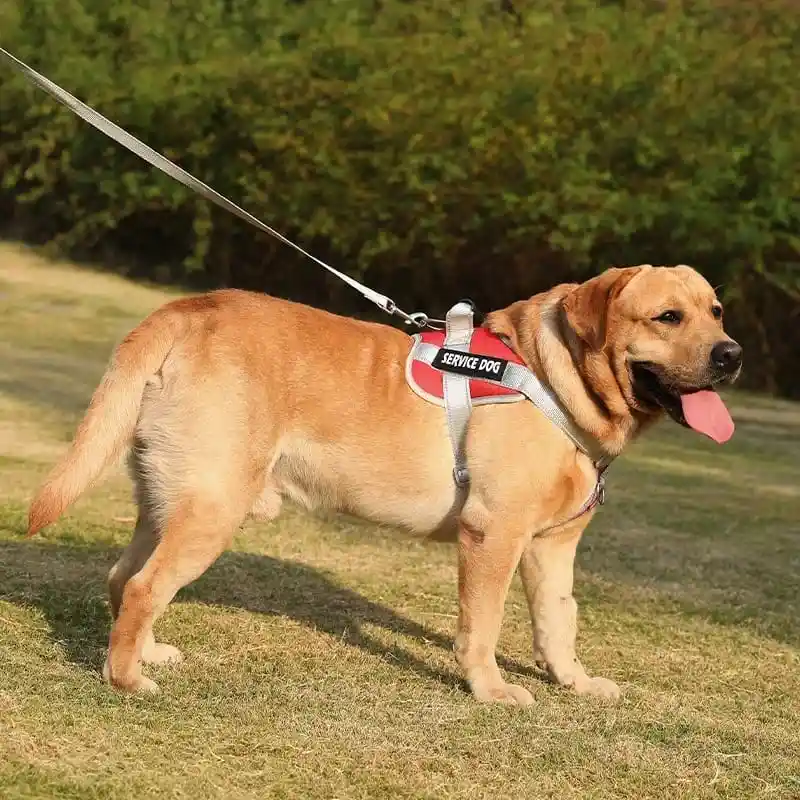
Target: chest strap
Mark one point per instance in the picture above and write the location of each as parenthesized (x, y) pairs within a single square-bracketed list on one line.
[(457, 399)]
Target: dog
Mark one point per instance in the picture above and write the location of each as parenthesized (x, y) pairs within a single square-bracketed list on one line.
[(229, 402)]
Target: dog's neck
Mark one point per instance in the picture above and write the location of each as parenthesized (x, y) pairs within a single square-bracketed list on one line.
[(585, 381)]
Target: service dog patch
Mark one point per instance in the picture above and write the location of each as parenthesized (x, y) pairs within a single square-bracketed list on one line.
[(486, 361), (473, 366)]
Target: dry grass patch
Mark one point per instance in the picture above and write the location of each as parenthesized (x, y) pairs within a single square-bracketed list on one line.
[(318, 651)]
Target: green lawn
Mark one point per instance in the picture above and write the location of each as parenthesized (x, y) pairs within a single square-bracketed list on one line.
[(318, 652)]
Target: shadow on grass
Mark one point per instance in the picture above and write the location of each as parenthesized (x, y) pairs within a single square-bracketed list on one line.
[(57, 382), (68, 585)]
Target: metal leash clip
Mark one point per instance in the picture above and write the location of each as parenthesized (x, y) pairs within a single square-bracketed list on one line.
[(422, 320)]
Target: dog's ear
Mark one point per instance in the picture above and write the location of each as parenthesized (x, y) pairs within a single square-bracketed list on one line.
[(508, 323), (586, 306)]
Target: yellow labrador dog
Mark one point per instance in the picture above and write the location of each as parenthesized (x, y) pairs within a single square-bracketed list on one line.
[(232, 401)]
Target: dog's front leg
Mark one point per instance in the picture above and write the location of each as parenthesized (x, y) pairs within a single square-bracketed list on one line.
[(486, 563), (547, 575)]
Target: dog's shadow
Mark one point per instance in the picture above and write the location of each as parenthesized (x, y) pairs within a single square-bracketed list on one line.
[(67, 584)]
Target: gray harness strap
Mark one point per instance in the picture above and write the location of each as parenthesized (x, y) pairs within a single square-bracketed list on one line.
[(458, 403), (457, 400)]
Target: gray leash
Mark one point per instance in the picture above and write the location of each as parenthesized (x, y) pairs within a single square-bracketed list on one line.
[(458, 324), (155, 159)]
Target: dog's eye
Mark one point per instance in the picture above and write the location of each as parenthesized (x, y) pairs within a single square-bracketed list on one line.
[(670, 317), (717, 312)]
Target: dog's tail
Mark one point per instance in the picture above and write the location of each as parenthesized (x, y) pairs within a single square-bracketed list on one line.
[(107, 428)]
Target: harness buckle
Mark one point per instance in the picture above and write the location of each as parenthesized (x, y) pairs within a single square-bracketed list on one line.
[(461, 476), (601, 489)]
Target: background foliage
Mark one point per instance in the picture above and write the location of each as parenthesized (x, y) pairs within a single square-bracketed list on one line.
[(436, 149)]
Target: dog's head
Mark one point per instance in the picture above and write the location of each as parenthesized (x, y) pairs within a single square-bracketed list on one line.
[(661, 330)]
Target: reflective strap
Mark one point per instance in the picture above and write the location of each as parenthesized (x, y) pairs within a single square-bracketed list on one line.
[(521, 379), (457, 400), (518, 378)]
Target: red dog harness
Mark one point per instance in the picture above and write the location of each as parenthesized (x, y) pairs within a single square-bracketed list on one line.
[(463, 366), (428, 381)]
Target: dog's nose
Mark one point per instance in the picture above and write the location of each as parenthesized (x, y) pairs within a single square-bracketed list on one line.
[(726, 356)]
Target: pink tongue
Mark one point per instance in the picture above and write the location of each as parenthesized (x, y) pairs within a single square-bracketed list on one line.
[(706, 413)]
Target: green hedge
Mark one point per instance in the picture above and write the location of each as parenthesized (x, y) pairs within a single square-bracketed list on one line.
[(437, 149)]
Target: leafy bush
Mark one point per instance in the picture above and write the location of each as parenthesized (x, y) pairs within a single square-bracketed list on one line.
[(435, 149)]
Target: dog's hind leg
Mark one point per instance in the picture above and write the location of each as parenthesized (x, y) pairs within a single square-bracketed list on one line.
[(133, 558), (195, 533)]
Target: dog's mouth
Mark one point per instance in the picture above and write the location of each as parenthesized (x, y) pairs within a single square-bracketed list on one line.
[(699, 408)]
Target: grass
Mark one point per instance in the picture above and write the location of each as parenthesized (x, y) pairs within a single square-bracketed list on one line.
[(318, 651)]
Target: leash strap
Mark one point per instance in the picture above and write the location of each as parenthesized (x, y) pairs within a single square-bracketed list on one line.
[(457, 399), (458, 323), (166, 166)]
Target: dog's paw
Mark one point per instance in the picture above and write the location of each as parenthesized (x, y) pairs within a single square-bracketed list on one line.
[(139, 684), (507, 693), (159, 653), (598, 687), (145, 686)]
